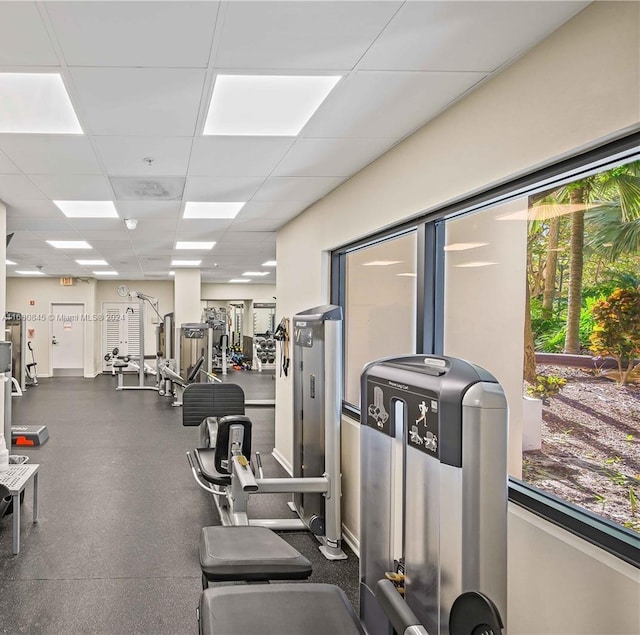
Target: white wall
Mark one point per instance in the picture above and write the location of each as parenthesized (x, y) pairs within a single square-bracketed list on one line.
[(45, 292), (577, 88), (3, 291)]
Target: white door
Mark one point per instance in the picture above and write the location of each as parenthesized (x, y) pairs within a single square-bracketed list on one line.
[(121, 330), (67, 340)]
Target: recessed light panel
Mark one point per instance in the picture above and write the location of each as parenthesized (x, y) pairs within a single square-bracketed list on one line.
[(172, 273), (182, 244), (30, 273), (105, 273), (269, 263), (87, 209), (92, 262), (255, 273), (70, 244), (240, 280), (274, 105), (212, 210), (36, 103), (10, 262), (185, 263)]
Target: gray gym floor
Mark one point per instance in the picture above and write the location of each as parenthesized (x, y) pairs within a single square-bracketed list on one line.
[(116, 546)]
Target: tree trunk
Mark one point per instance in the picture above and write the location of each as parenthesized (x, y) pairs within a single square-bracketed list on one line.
[(529, 346), (576, 256), (551, 269)]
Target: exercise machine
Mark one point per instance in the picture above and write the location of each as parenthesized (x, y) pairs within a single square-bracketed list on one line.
[(138, 363), (315, 484), (433, 537), (14, 333)]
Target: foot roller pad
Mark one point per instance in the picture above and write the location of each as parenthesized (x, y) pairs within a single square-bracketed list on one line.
[(29, 435), (250, 554)]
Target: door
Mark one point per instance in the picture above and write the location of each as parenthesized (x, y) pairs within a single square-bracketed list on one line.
[(121, 330), (67, 340)]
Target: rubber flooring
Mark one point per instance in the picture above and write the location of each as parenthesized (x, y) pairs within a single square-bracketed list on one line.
[(116, 546)]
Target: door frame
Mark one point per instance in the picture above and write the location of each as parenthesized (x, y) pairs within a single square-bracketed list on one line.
[(52, 319)]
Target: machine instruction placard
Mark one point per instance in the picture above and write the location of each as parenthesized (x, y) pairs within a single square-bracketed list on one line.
[(420, 407)]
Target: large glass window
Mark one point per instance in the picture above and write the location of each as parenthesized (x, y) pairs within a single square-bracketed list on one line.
[(544, 291), (380, 306)]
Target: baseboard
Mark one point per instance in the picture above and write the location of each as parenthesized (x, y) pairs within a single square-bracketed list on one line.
[(92, 376), (285, 464), (351, 540)]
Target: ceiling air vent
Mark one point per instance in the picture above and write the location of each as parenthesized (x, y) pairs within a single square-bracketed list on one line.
[(143, 189)]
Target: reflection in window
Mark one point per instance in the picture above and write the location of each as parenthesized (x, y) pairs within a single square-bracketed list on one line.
[(380, 307)]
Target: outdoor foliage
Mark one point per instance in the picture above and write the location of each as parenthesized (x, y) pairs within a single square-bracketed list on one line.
[(617, 329), (546, 386)]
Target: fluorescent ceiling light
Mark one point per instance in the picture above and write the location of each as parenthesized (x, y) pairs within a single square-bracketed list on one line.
[(10, 262), (240, 280), (87, 209), (256, 273), (36, 103), (105, 273), (407, 275), (463, 246), (172, 273), (182, 244), (382, 263), (31, 273), (477, 264), (185, 263), (212, 210), (70, 244), (275, 105), (92, 262), (269, 263)]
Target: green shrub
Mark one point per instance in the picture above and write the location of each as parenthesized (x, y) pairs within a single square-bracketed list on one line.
[(546, 386)]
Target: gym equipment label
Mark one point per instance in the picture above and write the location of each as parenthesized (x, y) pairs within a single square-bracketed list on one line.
[(420, 409)]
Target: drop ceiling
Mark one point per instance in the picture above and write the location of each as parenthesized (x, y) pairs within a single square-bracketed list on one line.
[(140, 77)]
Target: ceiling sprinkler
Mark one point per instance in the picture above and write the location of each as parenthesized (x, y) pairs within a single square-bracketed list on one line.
[(131, 223)]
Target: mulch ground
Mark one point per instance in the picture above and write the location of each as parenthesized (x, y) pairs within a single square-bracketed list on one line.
[(590, 452)]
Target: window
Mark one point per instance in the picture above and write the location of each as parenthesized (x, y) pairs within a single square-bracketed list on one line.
[(380, 306), (537, 280), (546, 289)]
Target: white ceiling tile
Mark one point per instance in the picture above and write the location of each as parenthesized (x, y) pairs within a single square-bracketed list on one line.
[(164, 34), (97, 224), (257, 224), (297, 188), (300, 35), (237, 156), (51, 154), (387, 104), (118, 246), (37, 224), (73, 187), (244, 238), (197, 226), (66, 234), (34, 209), (25, 41), (445, 36), (140, 101), (200, 188), (7, 166), (331, 157), (15, 187), (272, 209), (148, 209), (185, 234), (125, 155), (155, 225), (99, 235)]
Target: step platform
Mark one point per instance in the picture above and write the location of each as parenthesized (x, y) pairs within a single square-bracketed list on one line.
[(29, 436)]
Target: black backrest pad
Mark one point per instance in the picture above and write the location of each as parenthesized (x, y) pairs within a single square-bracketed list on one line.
[(200, 401), (222, 440)]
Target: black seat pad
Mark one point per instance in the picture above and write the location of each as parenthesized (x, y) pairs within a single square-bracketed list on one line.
[(251, 554), (206, 458), (277, 609)]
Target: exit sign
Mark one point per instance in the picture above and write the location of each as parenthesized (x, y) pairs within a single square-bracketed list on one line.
[(66, 282)]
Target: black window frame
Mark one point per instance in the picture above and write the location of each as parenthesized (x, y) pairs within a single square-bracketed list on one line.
[(430, 224)]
